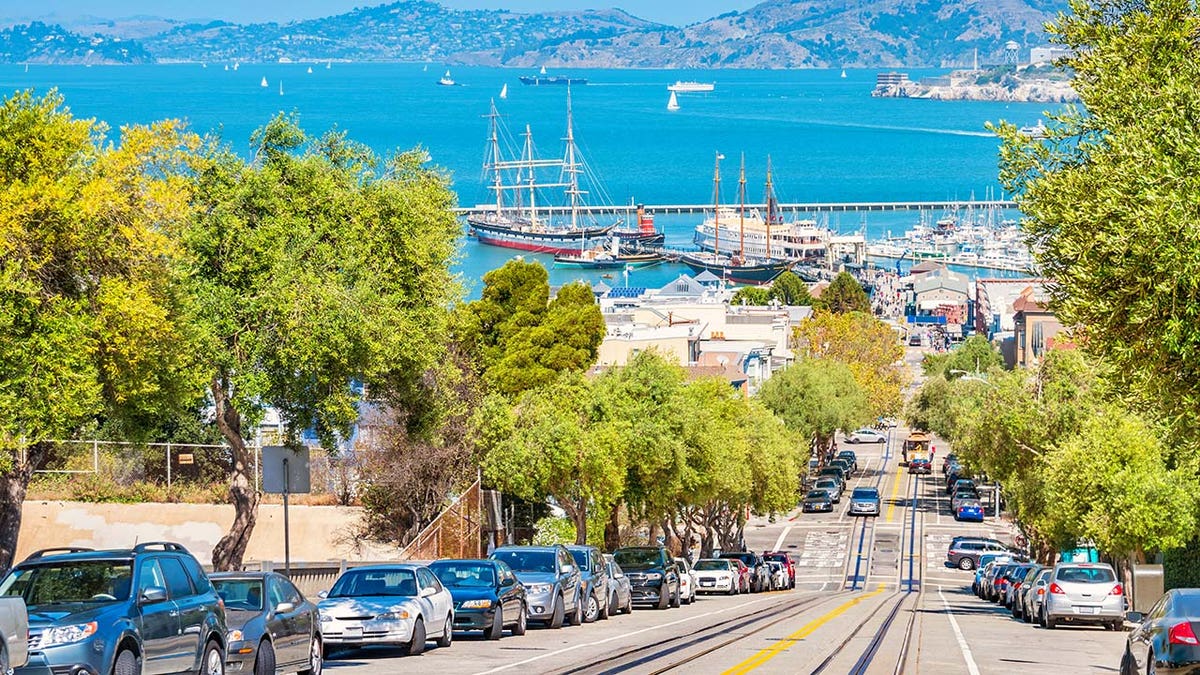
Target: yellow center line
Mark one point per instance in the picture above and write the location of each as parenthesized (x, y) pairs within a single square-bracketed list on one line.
[(895, 493), (774, 650)]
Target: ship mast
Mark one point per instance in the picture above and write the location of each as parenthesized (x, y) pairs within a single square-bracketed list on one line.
[(497, 179), (527, 156), (717, 207), (742, 211), (770, 207), (571, 167)]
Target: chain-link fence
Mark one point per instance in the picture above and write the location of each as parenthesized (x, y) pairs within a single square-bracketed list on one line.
[(456, 533)]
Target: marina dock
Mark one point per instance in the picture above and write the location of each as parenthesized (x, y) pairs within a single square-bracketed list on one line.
[(810, 207)]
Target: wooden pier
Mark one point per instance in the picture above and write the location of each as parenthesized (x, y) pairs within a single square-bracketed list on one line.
[(811, 207)]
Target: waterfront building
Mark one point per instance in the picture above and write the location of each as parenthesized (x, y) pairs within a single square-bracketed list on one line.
[(1035, 330), (994, 304)]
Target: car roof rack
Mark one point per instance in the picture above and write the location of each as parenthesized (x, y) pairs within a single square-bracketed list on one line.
[(53, 551), (159, 545)]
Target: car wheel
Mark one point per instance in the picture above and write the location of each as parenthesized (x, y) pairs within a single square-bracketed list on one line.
[(604, 610), (613, 604), (593, 609), (559, 612), (629, 605), (5, 664), (448, 632), (577, 615), (1051, 624), (497, 628), (127, 663), (675, 599), (966, 564), (522, 622), (664, 596), (417, 644), (732, 589), (264, 663), (327, 652), (1127, 665), (315, 661), (214, 660)]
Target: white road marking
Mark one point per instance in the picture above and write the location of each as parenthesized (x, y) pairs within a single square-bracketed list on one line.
[(782, 535), (958, 635)]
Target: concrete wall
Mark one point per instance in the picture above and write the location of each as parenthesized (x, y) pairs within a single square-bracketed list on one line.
[(317, 532)]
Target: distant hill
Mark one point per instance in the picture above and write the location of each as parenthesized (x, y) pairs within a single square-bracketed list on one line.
[(773, 34)]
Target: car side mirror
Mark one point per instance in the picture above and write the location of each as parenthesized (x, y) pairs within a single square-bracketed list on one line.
[(152, 595), (568, 569), (323, 594), (1134, 617), (284, 608), (508, 581), (426, 592)]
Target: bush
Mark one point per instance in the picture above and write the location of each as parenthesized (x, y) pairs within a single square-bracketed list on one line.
[(1181, 567)]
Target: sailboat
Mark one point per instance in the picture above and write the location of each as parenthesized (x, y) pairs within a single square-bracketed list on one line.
[(281, 87), (543, 70), (264, 82), (328, 64), (504, 91), (446, 80), (226, 66), (843, 73), (236, 65), (310, 70), (673, 104)]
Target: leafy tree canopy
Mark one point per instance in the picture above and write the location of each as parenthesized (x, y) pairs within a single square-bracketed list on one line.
[(751, 295), (844, 294), (790, 289), (866, 345), (816, 397)]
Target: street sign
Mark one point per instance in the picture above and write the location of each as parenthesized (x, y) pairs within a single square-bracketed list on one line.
[(285, 470)]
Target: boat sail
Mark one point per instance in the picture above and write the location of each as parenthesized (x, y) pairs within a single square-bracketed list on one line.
[(310, 70), (446, 80), (543, 70), (673, 103), (264, 82), (281, 87), (504, 91), (843, 73)]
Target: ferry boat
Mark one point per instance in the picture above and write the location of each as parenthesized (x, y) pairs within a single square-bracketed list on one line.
[(539, 80), (691, 87), (613, 257)]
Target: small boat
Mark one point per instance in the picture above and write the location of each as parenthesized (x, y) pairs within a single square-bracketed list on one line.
[(538, 80), (27, 67), (264, 82), (226, 66), (691, 87), (673, 104), (504, 91), (310, 70), (446, 80), (203, 65), (606, 276), (1036, 131), (281, 87), (843, 73), (328, 65), (543, 70), (236, 65)]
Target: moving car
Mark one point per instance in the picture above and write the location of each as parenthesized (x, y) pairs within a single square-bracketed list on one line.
[(817, 500), (272, 627), (150, 608), (918, 463), (687, 581), (621, 593), (864, 501), (397, 604), (1165, 639), (717, 575), (1084, 593), (553, 583), (652, 573), (865, 435), (486, 594), (590, 561), (785, 559), (760, 579)]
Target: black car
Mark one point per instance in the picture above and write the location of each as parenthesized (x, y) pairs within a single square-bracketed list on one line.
[(1165, 640), (817, 501), (147, 609), (652, 574), (272, 627), (851, 457), (487, 595)]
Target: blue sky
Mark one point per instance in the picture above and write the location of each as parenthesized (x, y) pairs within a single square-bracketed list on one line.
[(678, 12)]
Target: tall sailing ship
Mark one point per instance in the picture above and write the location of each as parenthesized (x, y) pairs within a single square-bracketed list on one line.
[(739, 267), (524, 216)]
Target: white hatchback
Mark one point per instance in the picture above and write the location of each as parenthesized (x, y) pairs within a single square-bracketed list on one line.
[(1083, 593)]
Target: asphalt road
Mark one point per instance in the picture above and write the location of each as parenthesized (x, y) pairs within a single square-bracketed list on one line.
[(874, 596)]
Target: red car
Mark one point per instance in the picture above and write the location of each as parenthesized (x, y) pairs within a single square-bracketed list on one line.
[(743, 575), (783, 557)]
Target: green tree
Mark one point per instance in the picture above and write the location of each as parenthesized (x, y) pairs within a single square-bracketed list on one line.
[(1109, 197), (755, 296), (975, 355), (314, 268), (790, 289), (865, 344), (815, 398), (844, 294), (90, 304)]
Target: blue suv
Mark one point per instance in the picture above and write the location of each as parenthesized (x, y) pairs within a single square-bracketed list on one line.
[(149, 610)]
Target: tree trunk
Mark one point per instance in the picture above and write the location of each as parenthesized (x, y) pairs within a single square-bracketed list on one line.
[(612, 529), (228, 553), (13, 484), (580, 518)]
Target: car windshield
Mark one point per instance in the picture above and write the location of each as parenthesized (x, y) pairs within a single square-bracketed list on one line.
[(525, 560), (370, 583), (464, 575), (865, 493), (817, 494), (240, 594), (76, 581), (711, 565), (1086, 575), (637, 557), (827, 482)]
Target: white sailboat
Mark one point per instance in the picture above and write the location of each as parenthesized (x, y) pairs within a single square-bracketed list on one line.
[(543, 70), (281, 87), (446, 80), (843, 73), (328, 64), (264, 82), (310, 70), (673, 104), (226, 66), (236, 65), (504, 91)]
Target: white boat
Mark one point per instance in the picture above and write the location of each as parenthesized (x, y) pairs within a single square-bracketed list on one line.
[(543, 70), (281, 87), (843, 73), (310, 70), (236, 65), (226, 66), (264, 82), (328, 65), (446, 80), (691, 87), (504, 91), (673, 104), (1036, 131)]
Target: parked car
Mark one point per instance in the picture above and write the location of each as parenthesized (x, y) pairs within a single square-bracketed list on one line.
[(1035, 595), (487, 596), (845, 466), (865, 435), (553, 582), (957, 484), (396, 604), (590, 561), (620, 591), (962, 495), (849, 456), (948, 460), (760, 579), (786, 560), (1084, 593), (1016, 576), (652, 573), (836, 474), (1165, 639), (119, 611), (779, 575), (969, 509), (817, 500), (687, 581), (1021, 592), (864, 501), (964, 553), (831, 486), (272, 627), (744, 575), (717, 575), (14, 634), (986, 562), (914, 340)]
